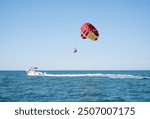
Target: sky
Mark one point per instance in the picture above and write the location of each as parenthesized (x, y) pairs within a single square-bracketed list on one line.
[(43, 33)]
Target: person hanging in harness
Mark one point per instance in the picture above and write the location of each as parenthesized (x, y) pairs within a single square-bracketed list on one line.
[(75, 50)]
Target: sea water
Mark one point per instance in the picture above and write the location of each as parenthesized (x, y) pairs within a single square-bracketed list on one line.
[(75, 86)]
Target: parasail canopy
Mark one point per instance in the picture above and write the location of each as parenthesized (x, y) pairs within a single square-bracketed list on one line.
[(89, 31)]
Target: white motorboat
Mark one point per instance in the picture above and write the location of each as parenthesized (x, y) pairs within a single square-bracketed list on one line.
[(33, 71)]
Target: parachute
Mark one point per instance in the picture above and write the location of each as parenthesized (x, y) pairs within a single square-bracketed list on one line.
[(89, 31)]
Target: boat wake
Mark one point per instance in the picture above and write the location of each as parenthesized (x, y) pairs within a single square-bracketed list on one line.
[(113, 76)]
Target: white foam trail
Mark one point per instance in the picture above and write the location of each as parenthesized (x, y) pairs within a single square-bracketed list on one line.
[(122, 76), (72, 75), (114, 76)]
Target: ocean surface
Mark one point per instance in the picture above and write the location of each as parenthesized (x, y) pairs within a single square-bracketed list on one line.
[(75, 86)]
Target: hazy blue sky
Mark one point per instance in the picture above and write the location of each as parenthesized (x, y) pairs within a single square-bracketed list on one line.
[(43, 33)]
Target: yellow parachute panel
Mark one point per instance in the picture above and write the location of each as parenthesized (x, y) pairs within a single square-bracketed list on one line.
[(92, 36)]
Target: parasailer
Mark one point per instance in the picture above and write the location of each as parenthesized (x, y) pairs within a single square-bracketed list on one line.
[(89, 31), (75, 50)]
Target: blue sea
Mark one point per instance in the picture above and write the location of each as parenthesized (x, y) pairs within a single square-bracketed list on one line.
[(75, 86)]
